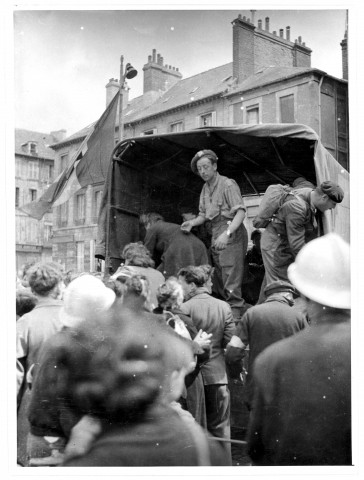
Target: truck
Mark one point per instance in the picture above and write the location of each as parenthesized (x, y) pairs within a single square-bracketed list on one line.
[(152, 174)]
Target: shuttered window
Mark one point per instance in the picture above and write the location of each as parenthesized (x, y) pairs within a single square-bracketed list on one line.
[(286, 106)]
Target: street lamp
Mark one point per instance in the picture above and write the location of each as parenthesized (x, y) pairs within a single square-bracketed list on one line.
[(129, 73)]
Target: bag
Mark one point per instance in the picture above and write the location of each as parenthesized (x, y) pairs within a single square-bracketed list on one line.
[(177, 324), (274, 197)]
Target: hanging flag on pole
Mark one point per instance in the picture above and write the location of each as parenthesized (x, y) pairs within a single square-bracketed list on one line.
[(88, 166)]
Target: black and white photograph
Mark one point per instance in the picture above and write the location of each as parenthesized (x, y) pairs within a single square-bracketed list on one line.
[(183, 250)]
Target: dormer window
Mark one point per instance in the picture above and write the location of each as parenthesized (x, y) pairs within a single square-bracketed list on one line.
[(32, 148)]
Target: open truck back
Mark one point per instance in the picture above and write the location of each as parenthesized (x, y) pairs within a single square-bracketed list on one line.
[(152, 174)]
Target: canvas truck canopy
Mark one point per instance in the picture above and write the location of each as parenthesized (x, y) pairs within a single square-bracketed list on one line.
[(152, 174)]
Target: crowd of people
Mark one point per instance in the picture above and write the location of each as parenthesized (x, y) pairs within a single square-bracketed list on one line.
[(132, 368)]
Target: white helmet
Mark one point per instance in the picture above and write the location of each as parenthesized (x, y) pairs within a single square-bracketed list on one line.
[(321, 271), (85, 297)]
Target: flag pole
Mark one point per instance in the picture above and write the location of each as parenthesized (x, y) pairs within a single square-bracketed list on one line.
[(121, 97)]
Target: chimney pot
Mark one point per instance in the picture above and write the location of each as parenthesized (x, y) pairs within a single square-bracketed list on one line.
[(248, 20), (300, 40), (267, 24), (244, 18), (304, 44), (239, 16), (154, 55), (149, 58), (288, 33), (274, 32), (281, 32), (260, 24)]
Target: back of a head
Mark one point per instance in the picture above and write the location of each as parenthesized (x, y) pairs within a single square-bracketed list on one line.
[(321, 271), (150, 218), (255, 234), (44, 277), (170, 294), (25, 302), (114, 368), (138, 255), (193, 274)]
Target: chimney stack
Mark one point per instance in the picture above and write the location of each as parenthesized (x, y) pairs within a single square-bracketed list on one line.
[(288, 33), (157, 76), (344, 56), (260, 24), (281, 32), (243, 48), (111, 89), (267, 24)]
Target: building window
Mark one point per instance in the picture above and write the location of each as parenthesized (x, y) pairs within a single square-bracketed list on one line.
[(80, 209), (176, 127), (80, 256), (32, 194), (32, 148), (33, 170), (286, 109), (48, 173), (252, 115), (97, 195), (48, 231), (206, 120), (152, 131), (17, 196), (92, 255), (63, 214), (238, 113), (63, 162), (18, 169)]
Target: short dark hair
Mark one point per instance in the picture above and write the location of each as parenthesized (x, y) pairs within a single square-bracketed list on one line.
[(255, 233), (193, 274), (25, 302), (43, 277)]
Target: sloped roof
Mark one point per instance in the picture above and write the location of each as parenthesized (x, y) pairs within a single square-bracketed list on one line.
[(212, 82), (270, 75), (203, 85), (43, 141)]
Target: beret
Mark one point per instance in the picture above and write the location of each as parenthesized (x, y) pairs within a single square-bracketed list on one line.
[(202, 153), (280, 286), (333, 191)]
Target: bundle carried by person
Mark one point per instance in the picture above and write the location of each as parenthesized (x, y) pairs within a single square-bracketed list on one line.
[(274, 197)]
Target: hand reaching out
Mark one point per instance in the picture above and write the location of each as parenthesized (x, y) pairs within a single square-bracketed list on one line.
[(203, 338)]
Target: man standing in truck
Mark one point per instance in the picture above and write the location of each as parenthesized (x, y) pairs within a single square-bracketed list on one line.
[(221, 203)]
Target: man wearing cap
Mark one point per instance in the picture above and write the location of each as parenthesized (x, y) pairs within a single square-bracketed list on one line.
[(221, 203), (261, 326), (295, 224), (301, 411)]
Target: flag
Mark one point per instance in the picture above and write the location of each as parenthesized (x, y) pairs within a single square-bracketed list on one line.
[(88, 167)]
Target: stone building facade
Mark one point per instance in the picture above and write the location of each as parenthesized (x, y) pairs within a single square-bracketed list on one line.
[(270, 80), (34, 172)]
